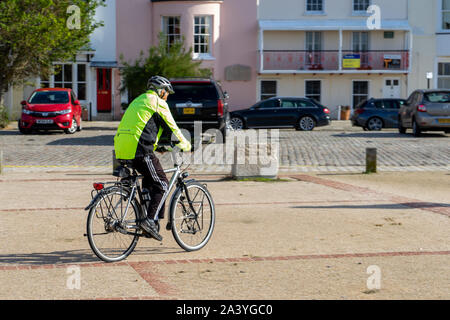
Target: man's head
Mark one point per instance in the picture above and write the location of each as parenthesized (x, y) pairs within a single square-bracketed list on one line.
[(161, 85)]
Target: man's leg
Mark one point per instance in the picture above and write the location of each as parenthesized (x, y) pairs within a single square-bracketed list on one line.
[(156, 182)]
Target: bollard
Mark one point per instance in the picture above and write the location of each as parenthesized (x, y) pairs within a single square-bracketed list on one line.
[(371, 160), (1, 161), (115, 162)]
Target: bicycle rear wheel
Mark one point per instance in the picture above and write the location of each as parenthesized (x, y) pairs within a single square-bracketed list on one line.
[(109, 238), (192, 223)]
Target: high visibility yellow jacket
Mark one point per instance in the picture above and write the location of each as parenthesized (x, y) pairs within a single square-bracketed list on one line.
[(142, 126)]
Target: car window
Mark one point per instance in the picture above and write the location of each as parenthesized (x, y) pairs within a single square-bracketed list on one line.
[(193, 91), (288, 104), (438, 97), (305, 104), (411, 98), (378, 104), (49, 97), (390, 104), (271, 103), (74, 97)]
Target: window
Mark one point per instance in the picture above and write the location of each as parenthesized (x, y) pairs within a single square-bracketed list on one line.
[(389, 34), (171, 29), (81, 81), (360, 92), (269, 104), (314, 6), (268, 89), (361, 46), (63, 79), (361, 6), (313, 89), (288, 104), (313, 47), (45, 82), (305, 104), (444, 75), (202, 35), (446, 15)]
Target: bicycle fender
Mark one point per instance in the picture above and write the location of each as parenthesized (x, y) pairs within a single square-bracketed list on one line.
[(98, 197)]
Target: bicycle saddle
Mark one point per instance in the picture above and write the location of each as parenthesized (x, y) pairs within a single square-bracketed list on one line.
[(122, 172)]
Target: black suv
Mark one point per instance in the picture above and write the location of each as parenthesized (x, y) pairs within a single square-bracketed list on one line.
[(201, 100)]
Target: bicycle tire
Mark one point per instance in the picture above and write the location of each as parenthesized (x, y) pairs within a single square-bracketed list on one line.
[(105, 253), (177, 228)]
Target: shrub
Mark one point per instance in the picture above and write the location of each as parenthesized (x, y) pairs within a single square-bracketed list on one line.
[(4, 117)]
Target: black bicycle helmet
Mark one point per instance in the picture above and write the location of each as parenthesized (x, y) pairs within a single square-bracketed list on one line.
[(158, 82)]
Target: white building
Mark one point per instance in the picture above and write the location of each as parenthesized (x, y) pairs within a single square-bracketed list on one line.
[(334, 51)]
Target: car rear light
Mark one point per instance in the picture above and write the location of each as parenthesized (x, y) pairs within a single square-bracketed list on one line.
[(99, 186), (421, 108), (220, 108), (326, 110), (359, 111)]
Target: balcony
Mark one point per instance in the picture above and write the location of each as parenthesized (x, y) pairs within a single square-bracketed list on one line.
[(334, 61)]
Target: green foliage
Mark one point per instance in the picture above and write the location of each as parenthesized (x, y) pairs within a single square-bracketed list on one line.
[(172, 61), (34, 34), (4, 117)]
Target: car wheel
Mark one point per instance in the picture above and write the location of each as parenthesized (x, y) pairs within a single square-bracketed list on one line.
[(401, 128), (374, 124), (23, 130), (237, 123), (80, 127), (306, 124), (416, 129), (73, 128)]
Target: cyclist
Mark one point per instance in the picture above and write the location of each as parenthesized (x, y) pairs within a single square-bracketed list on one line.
[(137, 138)]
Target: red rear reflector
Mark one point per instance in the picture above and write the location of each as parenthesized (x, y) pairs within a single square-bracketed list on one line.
[(220, 108), (422, 108), (98, 186)]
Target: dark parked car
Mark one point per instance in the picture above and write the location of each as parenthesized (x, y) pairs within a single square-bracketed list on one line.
[(279, 112), (376, 114), (51, 109), (425, 110), (201, 100)]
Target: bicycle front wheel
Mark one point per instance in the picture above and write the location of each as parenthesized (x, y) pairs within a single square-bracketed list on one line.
[(111, 227), (192, 215)]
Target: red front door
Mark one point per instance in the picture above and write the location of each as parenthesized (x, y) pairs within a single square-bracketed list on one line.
[(104, 90)]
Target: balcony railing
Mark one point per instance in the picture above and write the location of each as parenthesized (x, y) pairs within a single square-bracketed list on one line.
[(334, 61)]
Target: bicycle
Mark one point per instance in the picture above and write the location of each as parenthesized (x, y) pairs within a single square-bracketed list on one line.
[(116, 210)]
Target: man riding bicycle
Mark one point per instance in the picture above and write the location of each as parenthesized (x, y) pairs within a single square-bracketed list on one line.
[(137, 138)]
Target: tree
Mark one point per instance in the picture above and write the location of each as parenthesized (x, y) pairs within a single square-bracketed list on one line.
[(173, 61), (36, 33)]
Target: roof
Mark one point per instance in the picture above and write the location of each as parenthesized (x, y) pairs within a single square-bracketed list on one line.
[(328, 24)]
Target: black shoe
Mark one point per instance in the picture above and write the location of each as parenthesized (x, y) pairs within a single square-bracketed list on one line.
[(151, 228), (169, 226)]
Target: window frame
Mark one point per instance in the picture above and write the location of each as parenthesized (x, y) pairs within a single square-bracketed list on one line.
[(203, 55), (315, 12), (312, 95), (270, 95), (353, 106), (360, 12), (165, 24), (441, 19), (439, 76)]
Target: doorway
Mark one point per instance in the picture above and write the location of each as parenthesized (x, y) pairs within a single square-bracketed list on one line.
[(104, 101)]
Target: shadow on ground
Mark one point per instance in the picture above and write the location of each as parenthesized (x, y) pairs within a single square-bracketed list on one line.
[(381, 134), (388, 206), (103, 140), (74, 256)]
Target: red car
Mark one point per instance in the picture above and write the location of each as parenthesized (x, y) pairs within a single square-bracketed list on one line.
[(51, 109)]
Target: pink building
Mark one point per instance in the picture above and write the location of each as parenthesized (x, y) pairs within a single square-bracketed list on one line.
[(222, 33)]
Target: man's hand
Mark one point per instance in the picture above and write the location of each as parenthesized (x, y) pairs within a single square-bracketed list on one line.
[(163, 149), (185, 145)]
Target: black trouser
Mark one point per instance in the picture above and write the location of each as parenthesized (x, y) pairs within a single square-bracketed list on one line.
[(155, 181)]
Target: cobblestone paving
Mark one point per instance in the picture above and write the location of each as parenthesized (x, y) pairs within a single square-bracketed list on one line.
[(337, 148)]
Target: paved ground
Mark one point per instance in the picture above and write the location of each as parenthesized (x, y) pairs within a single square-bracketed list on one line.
[(310, 236), (335, 148), (317, 234)]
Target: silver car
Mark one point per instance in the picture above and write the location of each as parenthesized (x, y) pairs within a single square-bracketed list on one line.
[(425, 110)]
